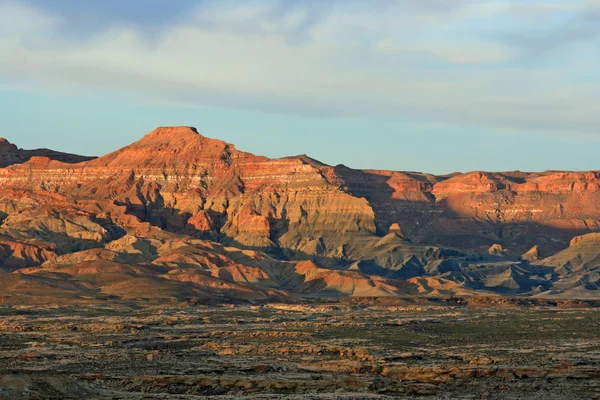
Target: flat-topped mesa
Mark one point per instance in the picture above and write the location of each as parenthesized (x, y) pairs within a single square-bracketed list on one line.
[(174, 131), (564, 182), (548, 181), (175, 135)]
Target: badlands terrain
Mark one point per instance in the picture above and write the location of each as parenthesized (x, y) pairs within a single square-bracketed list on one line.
[(179, 217)]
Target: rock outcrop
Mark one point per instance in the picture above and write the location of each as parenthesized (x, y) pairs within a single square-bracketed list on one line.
[(577, 268), (532, 255)]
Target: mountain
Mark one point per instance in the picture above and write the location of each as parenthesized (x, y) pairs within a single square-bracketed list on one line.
[(197, 218), (10, 154)]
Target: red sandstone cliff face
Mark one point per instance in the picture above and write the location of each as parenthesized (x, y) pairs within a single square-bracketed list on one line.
[(178, 215), (529, 209), (177, 179), (181, 181)]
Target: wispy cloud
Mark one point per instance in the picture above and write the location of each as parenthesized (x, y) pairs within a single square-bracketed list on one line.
[(465, 62), (559, 26), (445, 51)]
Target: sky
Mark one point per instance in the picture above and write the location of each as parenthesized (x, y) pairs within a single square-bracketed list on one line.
[(420, 85)]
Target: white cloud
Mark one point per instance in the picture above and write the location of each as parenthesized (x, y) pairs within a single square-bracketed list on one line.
[(448, 52), (295, 60)]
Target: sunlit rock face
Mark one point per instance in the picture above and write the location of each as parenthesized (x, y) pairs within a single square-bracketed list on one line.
[(178, 215), (176, 178)]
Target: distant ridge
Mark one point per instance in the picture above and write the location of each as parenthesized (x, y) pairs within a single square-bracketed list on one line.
[(10, 154)]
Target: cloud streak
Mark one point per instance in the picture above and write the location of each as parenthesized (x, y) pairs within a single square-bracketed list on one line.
[(438, 61)]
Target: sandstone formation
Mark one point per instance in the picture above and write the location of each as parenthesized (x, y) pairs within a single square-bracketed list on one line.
[(497, 250), (532, 255), (197, 218)]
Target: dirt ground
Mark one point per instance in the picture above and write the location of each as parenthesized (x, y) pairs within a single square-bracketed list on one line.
[(322, 351)]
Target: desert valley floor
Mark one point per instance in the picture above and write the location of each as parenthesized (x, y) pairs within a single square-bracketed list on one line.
[(342, 350)]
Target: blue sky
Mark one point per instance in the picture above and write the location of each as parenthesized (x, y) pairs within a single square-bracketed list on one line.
[(432, 85)]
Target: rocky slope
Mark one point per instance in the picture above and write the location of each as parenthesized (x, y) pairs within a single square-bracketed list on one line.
[(195, 217)]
